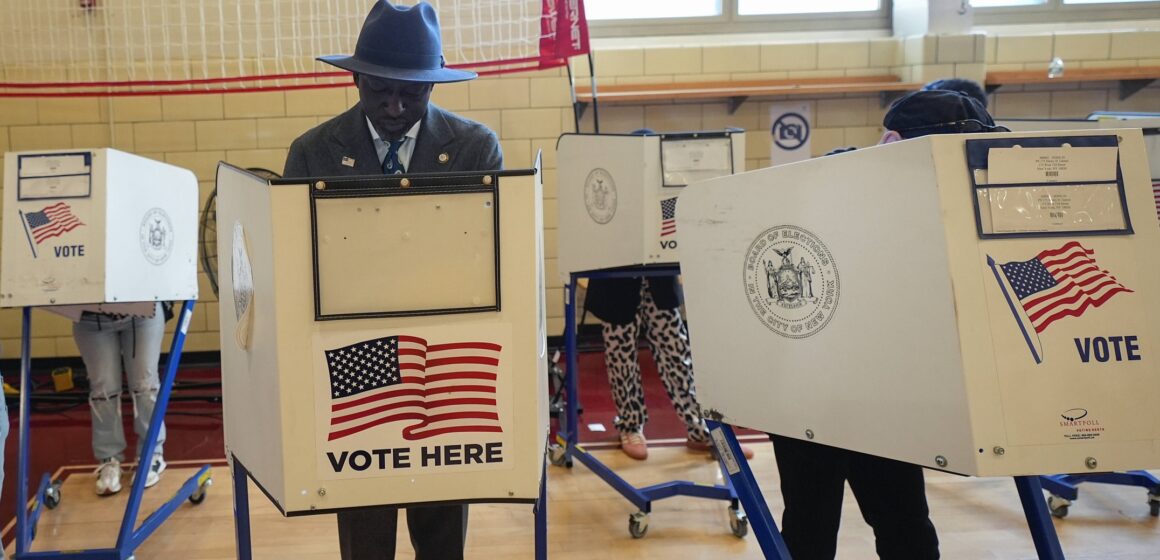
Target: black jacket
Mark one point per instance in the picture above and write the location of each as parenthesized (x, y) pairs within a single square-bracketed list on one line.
[(615, 300)]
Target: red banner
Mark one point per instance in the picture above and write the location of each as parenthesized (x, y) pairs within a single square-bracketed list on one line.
[(563, 31)]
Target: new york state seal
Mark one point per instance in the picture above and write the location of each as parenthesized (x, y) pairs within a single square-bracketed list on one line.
[(791, 281)]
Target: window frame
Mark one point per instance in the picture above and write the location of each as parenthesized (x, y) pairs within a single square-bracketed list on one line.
[(1056, 11), (729, 22)]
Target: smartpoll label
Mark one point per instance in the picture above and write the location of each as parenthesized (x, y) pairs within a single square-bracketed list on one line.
[(791, 132)]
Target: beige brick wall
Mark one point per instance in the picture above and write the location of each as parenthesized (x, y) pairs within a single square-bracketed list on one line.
[(530, 110)]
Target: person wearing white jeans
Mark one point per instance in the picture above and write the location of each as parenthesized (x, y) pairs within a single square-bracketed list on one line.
[(110, 345)]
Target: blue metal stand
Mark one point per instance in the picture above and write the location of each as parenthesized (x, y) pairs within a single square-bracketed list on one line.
[(567, 437), (241, 477), (129, 537), (1038, 519), (541, 512), (1064, 488), (734, 464)]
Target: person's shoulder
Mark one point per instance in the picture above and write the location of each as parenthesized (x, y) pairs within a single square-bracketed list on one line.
[(328, 128), (462, 124)]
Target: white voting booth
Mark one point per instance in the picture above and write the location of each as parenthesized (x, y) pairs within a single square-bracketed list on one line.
[(97, 229), (618, 193), (106, 231), (385, 343), (982, 304), (1149, 123)]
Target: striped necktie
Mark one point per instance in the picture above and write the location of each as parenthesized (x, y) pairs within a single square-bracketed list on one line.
[(391, 163)]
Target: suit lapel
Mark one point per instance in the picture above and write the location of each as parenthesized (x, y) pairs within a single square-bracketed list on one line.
[(351, 140), (435, 138)]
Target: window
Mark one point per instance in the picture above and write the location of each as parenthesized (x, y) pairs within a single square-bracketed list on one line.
[(597, 10), (769, 7), (635, 18), (1002, 3), (990, 14)]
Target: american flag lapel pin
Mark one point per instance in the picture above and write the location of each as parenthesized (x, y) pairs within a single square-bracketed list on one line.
[(348, 161)]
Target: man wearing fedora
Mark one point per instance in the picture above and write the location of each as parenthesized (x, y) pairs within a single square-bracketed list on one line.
[(395, 129)]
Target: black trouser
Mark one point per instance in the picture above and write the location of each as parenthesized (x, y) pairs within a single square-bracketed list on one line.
[(437, 532), (891, 495)]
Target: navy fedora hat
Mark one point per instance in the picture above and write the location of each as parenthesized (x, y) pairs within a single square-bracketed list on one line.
[(400, 43)]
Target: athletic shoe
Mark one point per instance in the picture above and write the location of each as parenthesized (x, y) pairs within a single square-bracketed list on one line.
[(109, 477), (634, 445), (154, 475)]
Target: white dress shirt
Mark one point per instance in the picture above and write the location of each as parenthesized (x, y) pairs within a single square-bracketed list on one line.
[(405, 150)]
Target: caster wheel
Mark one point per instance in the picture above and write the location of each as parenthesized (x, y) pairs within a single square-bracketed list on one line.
[(52, 495), (738, 523), (199, 496), (556, 455), (638, 524), (1154, 505), (1058, 506)]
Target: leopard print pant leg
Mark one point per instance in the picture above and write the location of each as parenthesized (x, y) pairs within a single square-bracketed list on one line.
[(620, 359), (668, 337)]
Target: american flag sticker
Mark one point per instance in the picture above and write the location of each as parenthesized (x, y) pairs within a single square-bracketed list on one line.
[(407, 384), (668, 216), (51, 221), (1052, 286)]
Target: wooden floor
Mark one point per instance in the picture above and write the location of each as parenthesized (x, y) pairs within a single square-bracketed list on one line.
[(976, 519)]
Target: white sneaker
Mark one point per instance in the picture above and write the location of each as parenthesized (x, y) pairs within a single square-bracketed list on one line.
[(154, 475), (109, 477)]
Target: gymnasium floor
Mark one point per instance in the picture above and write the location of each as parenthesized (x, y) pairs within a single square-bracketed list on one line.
[(976, 518)]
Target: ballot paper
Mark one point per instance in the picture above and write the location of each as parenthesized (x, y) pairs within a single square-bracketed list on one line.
[(1052, 190)]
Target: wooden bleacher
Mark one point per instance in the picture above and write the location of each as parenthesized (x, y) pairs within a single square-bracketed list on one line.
[(1132, 78), (738, 92)]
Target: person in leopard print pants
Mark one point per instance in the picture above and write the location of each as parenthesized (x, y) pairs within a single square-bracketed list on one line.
[(626, 306)]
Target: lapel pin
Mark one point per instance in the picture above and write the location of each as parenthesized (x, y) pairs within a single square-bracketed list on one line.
[(444, 158), (348, 161)]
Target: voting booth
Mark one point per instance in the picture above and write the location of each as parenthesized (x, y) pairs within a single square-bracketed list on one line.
[(105, 231), (1149, 123), (84, 228), (383, 338), (982, 304), (618, 193)]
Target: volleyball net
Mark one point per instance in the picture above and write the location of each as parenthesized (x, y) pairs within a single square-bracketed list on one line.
[(79, 48)]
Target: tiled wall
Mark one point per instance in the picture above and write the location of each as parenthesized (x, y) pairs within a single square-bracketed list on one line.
[(529, 111)]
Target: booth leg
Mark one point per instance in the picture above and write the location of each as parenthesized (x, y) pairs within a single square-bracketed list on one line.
[(736, 467), (241, 509), (1038, 518), (542, 516), (126, 539), (23, 528), (571, 428)]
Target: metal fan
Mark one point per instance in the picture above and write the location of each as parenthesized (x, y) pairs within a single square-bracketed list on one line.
[(209, 256)]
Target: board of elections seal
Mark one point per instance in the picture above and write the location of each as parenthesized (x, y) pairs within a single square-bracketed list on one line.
[(791, 281), (600, 196), (156, 236)]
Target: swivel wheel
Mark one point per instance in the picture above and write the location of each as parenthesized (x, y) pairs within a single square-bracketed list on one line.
[(52, 495), (557, 457), (638, 524), (738, 522), (1058, 506), (199, 495)]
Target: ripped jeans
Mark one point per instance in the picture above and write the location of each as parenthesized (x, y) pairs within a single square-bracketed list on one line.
[(105, 344)]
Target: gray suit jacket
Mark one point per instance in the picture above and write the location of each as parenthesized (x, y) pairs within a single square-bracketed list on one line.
[(320, 151)]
